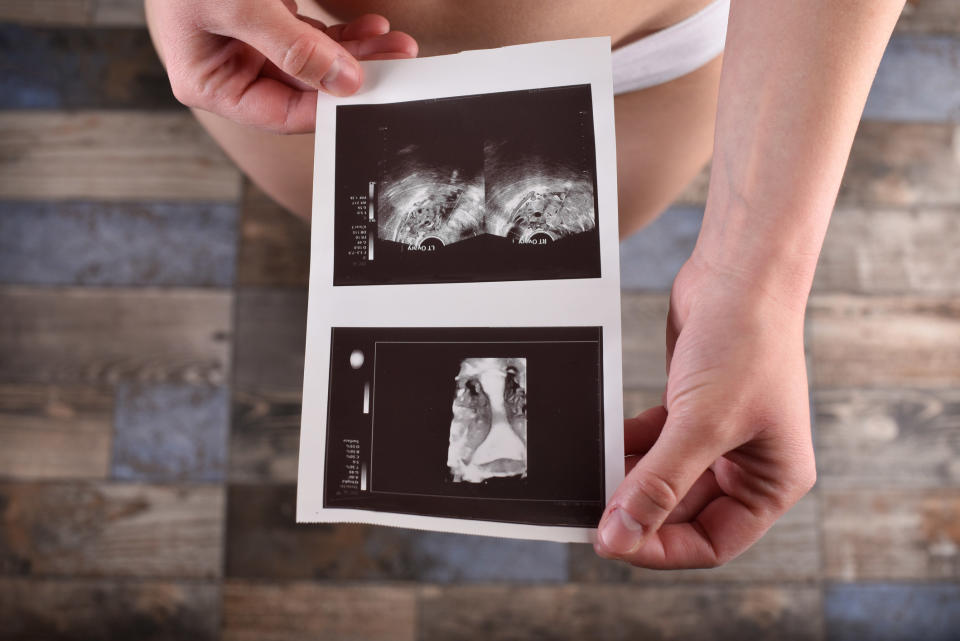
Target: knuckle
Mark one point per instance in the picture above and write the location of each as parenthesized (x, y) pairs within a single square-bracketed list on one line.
[(298, 55), (657, 490), (184, 91)]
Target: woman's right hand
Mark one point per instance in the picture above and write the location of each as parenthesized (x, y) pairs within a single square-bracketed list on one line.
[(259, 63)]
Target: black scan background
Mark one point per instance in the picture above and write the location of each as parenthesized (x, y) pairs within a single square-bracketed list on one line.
[(413, 409), (513, 136)]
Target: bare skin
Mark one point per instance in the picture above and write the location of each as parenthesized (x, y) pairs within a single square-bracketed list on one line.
[(729, 451)]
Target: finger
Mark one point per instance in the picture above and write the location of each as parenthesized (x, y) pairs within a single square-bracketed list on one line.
[(366, 26), (275, 106), (297, 48), (704, 490), (642, 431), (394, 44), (654, 488)]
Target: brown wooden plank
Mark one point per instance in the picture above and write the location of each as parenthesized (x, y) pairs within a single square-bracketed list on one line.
[(888, 437), (891, 251), (119, 12), (644, 318), (930, 16), (106, 335), (112, 155), (788, 552), (60, 12), (887, 534), (271, 336), (619, 613), (880, 341), (94, 610), (299, 610), (110, 529), (53, 432), (903, 164), (264, 436), (274, 244)]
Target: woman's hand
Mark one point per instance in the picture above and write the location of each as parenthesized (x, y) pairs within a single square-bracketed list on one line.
[(257, 62), (730, 451)]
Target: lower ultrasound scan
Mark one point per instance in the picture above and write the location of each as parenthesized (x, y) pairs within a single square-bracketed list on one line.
[(488, 434)]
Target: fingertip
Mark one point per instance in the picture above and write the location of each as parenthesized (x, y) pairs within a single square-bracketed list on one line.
[(343, 78)]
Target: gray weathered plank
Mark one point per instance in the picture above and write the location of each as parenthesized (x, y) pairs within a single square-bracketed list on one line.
[(44, 12), (112, 155), (888, 437), (651, 258), (300, 610), (100, 610), (644, 318), (171, 432), (264, 436), (51, 432), (110, 530), (918, 80), (264, 542), (892, 612), (82, 243), (788, 552), (619, 613), (119, 12), (274, 244), (891, 251), (271, 335), (882, 341), (930, 16), (886, 534), (97, 336)]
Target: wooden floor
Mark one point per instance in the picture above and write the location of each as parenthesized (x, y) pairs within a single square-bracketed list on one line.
[(152, 309)]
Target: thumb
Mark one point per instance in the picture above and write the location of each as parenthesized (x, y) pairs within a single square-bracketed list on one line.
[(301, 50), (654, 487)]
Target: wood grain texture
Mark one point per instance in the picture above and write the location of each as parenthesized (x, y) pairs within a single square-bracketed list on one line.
[(788, 552), (112, 155), (930, 16), (274, 244), (104, 336), (884, 342), (101, 610), (903, 164), (888, 437), (271, 336), (886, 534), (891, 251), (47, 12), (51, 432), (619, 613), (644, 318), (891, 611), (110, 530), (294, 611), (264, 436)]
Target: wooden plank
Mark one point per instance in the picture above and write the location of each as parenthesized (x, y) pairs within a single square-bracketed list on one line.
[(81, 68), (903, 164), (891, 251), (930, 16), (887, 534), (264, 436), (171, 432), (888, 437), (788, 552), (90, 610), (119, 12), (619, 612), (104, 336), (44, 12), (644, 318), (891, 612), (83, 243), (274, 244), (295, 611), (110, 529), (112, 155), (651, 258), (53, 432), (264, 542), (638, 400), (880, 341), (918, 80), (271, 336)]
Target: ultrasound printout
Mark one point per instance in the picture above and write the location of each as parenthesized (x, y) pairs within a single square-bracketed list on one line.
[(463, 357)]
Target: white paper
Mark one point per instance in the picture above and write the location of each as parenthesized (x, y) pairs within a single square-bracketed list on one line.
[(547, 302)]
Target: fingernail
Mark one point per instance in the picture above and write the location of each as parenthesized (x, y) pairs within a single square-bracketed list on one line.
[(342, 78), (621, 534)]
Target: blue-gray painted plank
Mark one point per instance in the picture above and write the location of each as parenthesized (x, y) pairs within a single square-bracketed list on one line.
[(651, 258), (170, 432), (891, 612), (918, 80), (82, 243)]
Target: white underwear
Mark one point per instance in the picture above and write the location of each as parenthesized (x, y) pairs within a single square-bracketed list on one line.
[(671, 52)]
